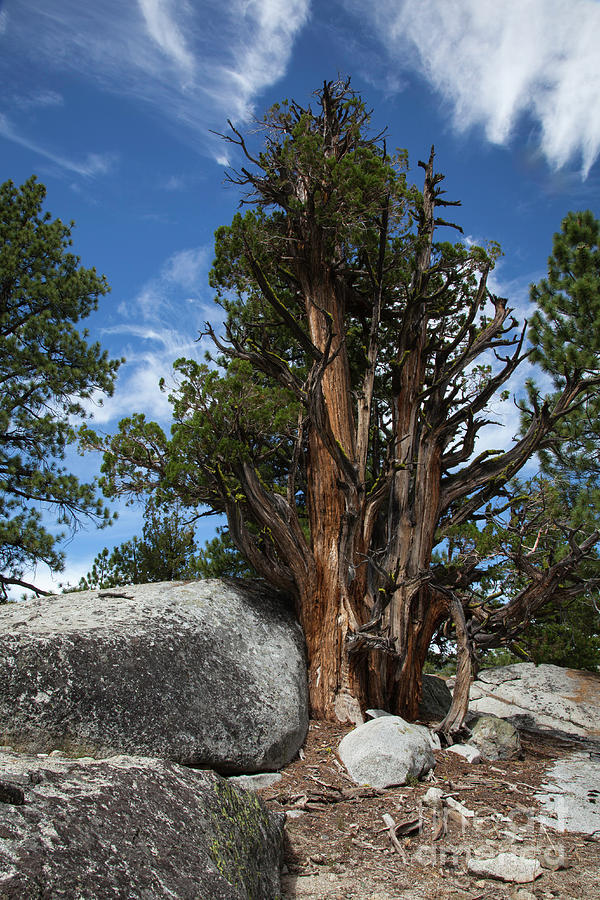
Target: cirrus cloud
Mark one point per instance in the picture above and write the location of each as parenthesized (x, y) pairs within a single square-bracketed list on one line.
[(193, 64), (93, 164), (495, 63)]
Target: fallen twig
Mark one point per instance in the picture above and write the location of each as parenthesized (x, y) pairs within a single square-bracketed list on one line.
[(391, 827)]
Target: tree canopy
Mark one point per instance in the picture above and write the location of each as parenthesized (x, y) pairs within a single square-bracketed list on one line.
[(336, 428), (47, 368)]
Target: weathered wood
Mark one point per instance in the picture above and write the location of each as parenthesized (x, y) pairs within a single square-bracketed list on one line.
[(383, 477), (391, 827)]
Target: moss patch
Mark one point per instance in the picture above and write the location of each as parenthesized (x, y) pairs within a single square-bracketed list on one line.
[(241, 826)]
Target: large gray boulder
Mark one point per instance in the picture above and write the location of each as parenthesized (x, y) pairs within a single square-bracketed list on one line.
[(131, 827), (540, 697), (205, 673), (387, 751), (495, 738)]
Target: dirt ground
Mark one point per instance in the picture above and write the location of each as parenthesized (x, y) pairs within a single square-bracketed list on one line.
[(338, 845)]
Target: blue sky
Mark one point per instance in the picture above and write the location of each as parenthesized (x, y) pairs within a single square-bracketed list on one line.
[(112, 105)]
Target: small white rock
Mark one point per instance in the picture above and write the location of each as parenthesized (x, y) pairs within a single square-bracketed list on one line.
[(507, 867), (433, 797), (255, 782), (434, 740), (454, 804), (471, 754), (376, 713)]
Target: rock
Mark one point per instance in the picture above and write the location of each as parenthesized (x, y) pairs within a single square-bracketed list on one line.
[(255, 782), (458, 807), (134, 827), (205, 673), (376, 713), (435, 699), (570, 797), (506, 867), (541, 697), (554, 859), (495, 738), (471, 754), (386, 751), (294, 813), (475, 693), (434, 740), (433, 797)]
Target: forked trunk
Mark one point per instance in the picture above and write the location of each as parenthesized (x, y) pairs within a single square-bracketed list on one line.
[(421, 615)]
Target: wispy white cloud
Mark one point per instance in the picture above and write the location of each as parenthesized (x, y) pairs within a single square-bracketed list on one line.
[(160, 324), (93, 164), (495, 62), (39, 99), (174, 183), (164, 29), (185, 267), (137, 390), (193, 64), (262, 46)]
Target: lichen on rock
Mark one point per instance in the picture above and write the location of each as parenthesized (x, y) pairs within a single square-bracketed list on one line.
[(132, 827), (205, 673)]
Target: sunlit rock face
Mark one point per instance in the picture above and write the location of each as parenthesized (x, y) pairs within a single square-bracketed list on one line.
[(387, 751), (205, 673), (546, 697)]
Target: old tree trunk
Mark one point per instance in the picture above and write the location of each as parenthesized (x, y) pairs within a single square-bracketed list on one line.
[(338, 435)]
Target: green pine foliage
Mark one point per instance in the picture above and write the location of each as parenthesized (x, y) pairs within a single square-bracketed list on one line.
[(565, 328), (166, 551), (532, 527), (47, 368), (220, 558), (566, 635)]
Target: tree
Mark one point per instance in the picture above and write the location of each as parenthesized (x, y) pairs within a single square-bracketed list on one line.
[(166, 551), (569, 634), (566, 634), (220, 558), (337, 427), (530, 534), (46, 369)]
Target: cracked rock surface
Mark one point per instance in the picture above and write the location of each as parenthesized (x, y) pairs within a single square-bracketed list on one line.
[(549, 698), (570, 797)]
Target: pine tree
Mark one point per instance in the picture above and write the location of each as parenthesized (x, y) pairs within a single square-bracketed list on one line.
[(47, 368), (166, 551)]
